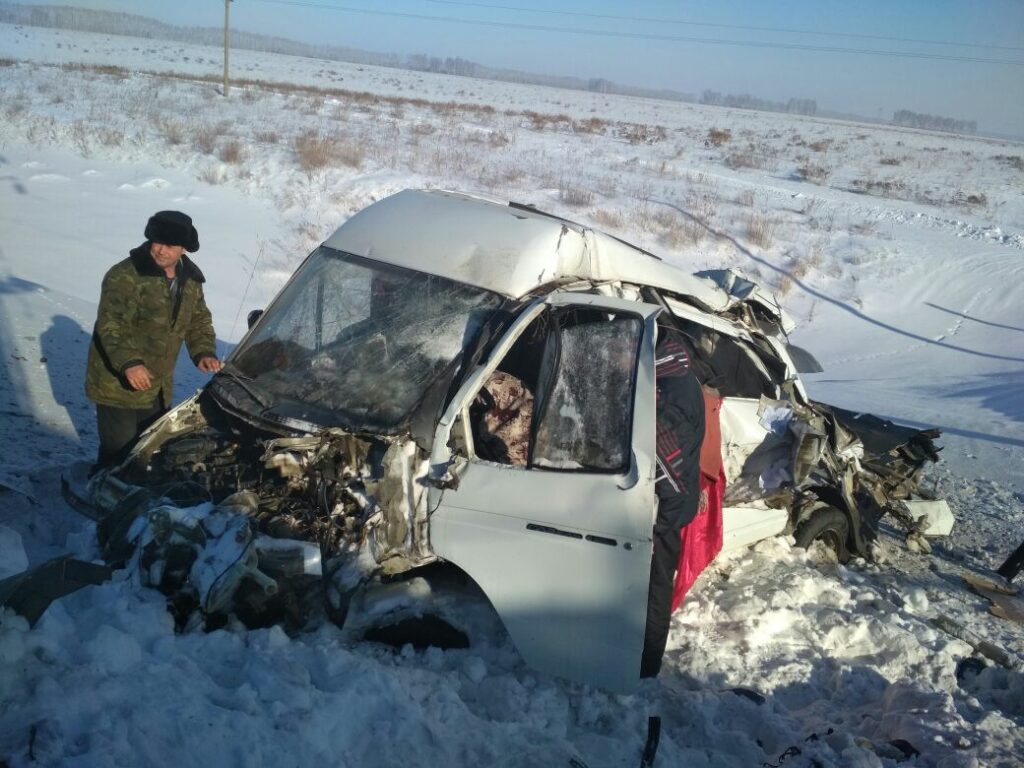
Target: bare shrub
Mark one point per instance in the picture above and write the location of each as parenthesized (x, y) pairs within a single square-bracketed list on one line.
[(491, 177), (512, 174), (173, 131), (540, 121), (703, 207), (310, 107), (666, 170), (606, 185), (537, 120), (889, 161), (820, 146), (498, 139), (812, 206), (16, 106), (746, 198), (80, 135), (816, 174), (445, 109), (350, 153), (424, 129), (314, 152), (205, 139), (678, 230), (575, 196), (103, 69), (760, 230), (973, 198), (751, 156), (1013, 161), (251, 95), (212, 175), (740, 159), (4, 62), (664, 217), (717, 137), (232, 152), (110, 137), (590, 125), (896, 189), (799, 267), (608, 219), (639, 133), (268, 137)]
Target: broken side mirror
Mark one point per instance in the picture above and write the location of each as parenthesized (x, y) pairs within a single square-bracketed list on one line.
[(253, 316), (803, 361)]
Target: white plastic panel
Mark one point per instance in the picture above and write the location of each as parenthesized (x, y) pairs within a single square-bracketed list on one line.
[(743, 526), (940, 518)]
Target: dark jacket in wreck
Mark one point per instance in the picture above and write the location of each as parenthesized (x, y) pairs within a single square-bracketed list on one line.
[(140, 320)]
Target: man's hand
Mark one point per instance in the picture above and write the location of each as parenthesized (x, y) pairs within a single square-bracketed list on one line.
[(139, 377), (208, 364)]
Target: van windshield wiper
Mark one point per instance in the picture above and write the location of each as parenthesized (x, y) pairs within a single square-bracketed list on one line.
[(246, 383)]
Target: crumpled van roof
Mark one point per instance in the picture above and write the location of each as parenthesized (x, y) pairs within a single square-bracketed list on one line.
[(511, 250)]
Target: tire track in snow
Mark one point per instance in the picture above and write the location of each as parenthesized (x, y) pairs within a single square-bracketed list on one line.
[(999, 269)]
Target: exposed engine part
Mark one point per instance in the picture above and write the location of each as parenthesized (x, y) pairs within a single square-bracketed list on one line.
[(308, 488), (265, 527)]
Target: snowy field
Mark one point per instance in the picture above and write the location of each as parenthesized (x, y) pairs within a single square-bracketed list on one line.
[(900, 252)]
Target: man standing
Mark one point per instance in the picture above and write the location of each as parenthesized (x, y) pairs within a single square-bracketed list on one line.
[(680, 430), (149, 304)]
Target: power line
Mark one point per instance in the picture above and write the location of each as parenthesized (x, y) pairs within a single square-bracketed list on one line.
[(647, 36), (788, 30)]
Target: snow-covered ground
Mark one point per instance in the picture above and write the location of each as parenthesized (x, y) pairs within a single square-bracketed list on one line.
[(900, 253)]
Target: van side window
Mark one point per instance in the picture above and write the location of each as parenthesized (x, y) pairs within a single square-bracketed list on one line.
[(562, 398), (584, 411)]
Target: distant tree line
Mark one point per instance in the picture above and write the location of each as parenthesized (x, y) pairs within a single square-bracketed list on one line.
[(456, 66), (111, 23), (130, 25), (933, 122), (746, 101)]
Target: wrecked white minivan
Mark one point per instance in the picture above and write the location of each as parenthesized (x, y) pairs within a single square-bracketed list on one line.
[(342, 442)]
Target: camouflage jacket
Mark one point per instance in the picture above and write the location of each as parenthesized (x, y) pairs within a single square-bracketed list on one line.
[(137, 323)]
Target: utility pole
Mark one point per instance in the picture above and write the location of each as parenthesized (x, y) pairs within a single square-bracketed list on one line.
[(227, 5)]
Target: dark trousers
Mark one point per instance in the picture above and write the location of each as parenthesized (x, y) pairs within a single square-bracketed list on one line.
[(118, 428), (664, 562)]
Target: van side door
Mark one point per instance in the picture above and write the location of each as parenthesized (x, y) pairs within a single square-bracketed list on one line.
[(556, 527)]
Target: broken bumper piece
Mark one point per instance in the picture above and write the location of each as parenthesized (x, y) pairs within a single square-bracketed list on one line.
[(210, 559)]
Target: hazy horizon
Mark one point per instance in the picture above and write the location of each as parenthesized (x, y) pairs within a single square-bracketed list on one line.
[(952, 58)]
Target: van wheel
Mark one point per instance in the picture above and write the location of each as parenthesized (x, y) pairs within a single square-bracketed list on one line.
[(828, 525)]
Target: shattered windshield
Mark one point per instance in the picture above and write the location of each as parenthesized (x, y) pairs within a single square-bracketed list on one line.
[(355, 343)]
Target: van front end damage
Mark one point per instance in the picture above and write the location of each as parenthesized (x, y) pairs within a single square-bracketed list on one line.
[(231, 520)]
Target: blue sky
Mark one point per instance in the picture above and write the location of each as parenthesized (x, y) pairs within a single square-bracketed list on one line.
[(655, 46)]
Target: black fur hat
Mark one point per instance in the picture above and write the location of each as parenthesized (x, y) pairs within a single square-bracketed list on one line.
[(172, 228)]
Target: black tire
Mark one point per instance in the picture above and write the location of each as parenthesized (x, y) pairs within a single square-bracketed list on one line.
[(828, 525)]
